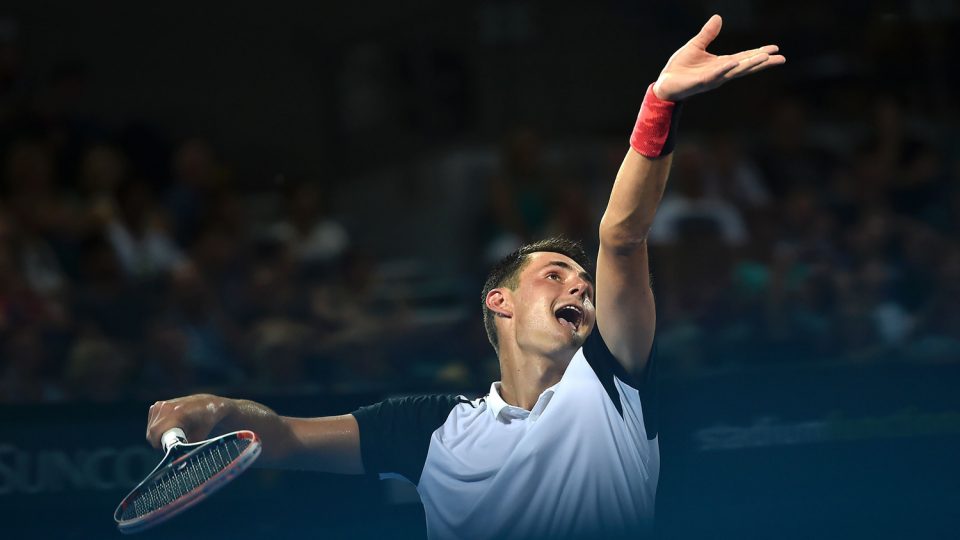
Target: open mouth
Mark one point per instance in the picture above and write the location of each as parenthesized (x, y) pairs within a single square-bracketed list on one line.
[(570, 317)]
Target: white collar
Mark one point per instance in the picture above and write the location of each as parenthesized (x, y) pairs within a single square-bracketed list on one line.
[(498, 406)]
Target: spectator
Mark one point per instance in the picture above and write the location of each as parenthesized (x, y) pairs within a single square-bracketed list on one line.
[(520, 196), (138, 233), (687, 209), (310, 234), (198, 177), (732, 175)]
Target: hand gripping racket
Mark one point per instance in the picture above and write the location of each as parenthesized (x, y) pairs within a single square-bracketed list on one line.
[(187, 474)]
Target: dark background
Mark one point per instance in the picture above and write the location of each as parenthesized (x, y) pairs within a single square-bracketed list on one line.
[(298, 203)]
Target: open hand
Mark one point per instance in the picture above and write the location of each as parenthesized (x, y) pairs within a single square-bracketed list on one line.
[(692, 70)]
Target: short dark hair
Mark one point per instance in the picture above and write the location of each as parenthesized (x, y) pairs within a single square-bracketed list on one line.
[(506, 273)]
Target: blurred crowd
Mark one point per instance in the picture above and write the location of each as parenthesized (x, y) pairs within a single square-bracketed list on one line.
[(803, 250), (133, 266)]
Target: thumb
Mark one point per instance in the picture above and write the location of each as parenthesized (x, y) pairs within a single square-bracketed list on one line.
[(709, 32)]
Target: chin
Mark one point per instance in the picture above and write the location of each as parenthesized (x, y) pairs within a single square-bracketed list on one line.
[(574, 340)]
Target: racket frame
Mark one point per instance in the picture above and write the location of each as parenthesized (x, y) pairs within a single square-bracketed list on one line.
[(177, 451)]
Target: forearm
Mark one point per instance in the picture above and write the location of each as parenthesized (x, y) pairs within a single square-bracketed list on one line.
[(633, 202), (237, 414), (327, 444), (642, 177)]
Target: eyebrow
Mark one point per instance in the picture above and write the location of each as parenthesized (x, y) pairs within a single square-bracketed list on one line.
[(585, 275)]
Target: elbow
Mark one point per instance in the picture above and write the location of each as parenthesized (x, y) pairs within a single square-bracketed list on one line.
[(622, 236)]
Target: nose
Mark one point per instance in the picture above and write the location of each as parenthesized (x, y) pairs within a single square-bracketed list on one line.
[(580, 287)]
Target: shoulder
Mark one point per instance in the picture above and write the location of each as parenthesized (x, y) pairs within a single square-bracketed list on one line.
[(623, 387), (603, 362)]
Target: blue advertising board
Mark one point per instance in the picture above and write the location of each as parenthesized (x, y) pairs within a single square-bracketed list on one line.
[(788, 452)]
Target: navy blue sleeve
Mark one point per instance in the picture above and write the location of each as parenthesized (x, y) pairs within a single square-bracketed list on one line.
[(606, 366), (395, 433)]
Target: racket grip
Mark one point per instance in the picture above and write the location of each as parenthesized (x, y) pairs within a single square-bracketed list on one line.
[(172, 437)]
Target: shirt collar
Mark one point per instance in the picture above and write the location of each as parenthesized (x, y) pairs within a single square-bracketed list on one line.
[(500, 407), (497, 404)]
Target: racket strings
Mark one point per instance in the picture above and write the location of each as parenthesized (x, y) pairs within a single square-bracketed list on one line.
[(172, 484)]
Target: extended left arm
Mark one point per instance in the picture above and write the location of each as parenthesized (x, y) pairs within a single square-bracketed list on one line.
[(625, 309)]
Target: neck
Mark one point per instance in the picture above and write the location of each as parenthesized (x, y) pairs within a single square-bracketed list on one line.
[(524, 376)]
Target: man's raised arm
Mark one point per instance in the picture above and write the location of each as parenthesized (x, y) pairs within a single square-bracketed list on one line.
[(625, 309)]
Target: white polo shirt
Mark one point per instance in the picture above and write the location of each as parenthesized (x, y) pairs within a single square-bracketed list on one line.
[(581, 464)]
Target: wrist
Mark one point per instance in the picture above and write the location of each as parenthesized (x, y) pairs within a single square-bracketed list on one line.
[(657, 89), (654, 134)]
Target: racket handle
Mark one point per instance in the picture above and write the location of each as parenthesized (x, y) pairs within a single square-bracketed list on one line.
[(172, 437)]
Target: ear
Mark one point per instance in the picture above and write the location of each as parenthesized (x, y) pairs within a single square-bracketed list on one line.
[(499, 301)]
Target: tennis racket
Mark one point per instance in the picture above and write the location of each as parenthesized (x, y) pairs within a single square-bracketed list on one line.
[(187, 474)]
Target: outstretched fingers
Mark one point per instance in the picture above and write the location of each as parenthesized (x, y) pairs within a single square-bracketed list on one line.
[(766, 49), (721, 72), (754, 60), (746, 64), (769, 62)]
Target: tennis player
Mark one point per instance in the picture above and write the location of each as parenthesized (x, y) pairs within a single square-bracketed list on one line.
[(565, 444)]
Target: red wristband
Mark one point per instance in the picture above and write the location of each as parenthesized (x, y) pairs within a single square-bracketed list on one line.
[(652, 135)]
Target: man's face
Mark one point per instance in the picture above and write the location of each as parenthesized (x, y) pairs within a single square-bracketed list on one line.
[(552, 305)]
